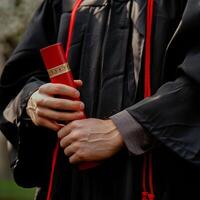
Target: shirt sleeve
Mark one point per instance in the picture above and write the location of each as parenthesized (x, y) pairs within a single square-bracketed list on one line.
[(135, 138)]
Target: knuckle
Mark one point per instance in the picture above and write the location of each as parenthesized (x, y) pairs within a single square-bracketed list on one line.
[(41, 101), (58, 104), (57, 116), (73, 136), (56, 88), (75, 124), (66, 151), (49, 85), (43, 88)]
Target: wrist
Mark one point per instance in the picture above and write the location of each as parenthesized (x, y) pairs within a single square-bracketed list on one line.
[(118, 139)]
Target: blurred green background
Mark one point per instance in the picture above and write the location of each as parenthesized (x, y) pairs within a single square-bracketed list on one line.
[(10, 191), (14, 18)]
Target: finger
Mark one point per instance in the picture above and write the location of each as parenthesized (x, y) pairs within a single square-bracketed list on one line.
[(59, 89), (69, 138), (78, 83), (76, 158), (71, 149), (67, 129), (60, 104), (40, 121), (58, 116)]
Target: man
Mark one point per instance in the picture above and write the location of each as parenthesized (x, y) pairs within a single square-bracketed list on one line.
[(107, 57)]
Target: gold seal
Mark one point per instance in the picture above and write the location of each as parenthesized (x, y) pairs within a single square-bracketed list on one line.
[(58, 70)]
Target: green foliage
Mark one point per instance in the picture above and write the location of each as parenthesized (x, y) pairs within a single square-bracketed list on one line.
[(10, 191)]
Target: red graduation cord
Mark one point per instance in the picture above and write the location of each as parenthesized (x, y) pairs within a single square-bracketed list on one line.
[(147, 92), (71, 26), (56, 150), (53, 165)]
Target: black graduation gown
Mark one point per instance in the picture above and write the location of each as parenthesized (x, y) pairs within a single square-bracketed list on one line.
[(101, 56)]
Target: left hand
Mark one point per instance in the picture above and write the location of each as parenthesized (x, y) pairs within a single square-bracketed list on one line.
[(90, 140)]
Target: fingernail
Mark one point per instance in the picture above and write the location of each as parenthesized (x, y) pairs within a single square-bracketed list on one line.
[(77, 93), (82, 106)]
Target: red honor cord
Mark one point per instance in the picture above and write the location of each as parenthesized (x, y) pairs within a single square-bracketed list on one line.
[(147, 92), (56, 150)]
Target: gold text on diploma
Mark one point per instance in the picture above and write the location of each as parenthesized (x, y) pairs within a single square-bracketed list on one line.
[(58, 70)]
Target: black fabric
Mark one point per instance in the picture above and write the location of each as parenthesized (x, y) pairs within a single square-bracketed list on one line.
[(172, 114), (33, 164), (100, 56)]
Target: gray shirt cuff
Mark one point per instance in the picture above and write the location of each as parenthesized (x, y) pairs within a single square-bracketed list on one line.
[(135, 138)]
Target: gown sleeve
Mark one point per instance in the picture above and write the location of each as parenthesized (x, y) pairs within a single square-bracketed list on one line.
[(172, 114), (21, 76), (25, 65)]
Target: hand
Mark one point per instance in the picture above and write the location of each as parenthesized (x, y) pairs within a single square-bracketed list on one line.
[(45, 108), (90, 140)]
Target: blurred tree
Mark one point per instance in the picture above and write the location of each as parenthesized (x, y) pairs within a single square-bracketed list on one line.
[(14, 17)]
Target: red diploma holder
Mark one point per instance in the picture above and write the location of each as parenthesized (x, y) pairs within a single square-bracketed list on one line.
[(59, 72)]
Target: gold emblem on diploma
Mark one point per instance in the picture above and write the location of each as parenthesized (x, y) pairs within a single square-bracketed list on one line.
[(58, 70)]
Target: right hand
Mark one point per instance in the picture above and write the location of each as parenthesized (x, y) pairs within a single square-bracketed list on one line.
[(46, 107)]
